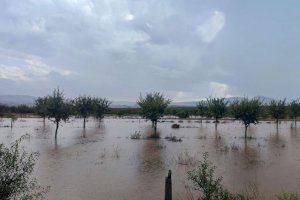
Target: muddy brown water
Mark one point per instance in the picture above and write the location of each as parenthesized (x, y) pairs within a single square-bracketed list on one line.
[(102, 162)]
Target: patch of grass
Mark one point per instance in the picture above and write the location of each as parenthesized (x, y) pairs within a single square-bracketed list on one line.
[(135, 136), (173, 138), (288, 196), (234, 147), (186, 159)]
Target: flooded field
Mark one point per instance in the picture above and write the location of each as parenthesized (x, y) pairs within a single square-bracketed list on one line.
[(102, 162)]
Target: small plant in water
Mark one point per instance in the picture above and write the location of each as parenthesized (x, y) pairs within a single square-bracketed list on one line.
[(204, 181), (288, 196), (173, 138), (116, 151), (186, 159), (234, 147), (135, 136)]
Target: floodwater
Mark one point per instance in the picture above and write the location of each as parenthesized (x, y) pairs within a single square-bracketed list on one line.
[(102, 162)]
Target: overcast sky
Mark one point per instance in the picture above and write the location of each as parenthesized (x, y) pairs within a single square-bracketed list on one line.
[(121, 48)]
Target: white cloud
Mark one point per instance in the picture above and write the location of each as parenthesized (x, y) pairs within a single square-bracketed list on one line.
[(129, 17), (211, 27), (219, 89), (12, 73), (32, 69)]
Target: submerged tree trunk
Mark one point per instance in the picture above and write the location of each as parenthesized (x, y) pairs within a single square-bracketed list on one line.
[(277, 121), (246, 127), (57, 124), (216, 123), (84, 122)]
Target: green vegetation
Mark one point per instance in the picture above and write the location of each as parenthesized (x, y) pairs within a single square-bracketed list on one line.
[(234, 109), (41, 104), (216, 108), (16, 167), (202, 109), (153, 107), (210, 188), (58, 108), (101, 107), (204, 181), (294, 110), (247, 111), (277, 110), (84, 107)]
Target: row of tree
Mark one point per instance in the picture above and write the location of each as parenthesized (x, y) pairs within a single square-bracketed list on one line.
[(153, 106), (249, 111), (57, 108)]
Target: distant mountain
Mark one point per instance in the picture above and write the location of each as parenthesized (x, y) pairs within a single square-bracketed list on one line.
[(15, 100)]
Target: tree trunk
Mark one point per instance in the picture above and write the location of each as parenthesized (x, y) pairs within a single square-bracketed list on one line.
[(216, 123), (295, 121), (246, 127), (277, 121), (83, 122), (11, 123), (57, 124), (155, 127)]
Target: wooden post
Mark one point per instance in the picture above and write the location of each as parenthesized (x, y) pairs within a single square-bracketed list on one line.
[(168, 186)]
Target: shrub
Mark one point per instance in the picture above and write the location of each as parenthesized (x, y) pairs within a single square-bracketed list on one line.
[(16, 167)]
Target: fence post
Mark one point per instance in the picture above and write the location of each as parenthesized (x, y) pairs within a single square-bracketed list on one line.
[(168, 186)]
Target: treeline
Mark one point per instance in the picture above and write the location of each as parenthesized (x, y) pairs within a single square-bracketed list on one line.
[(153, 106)]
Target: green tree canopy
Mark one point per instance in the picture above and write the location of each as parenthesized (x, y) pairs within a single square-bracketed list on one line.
[(202, 109), (101, 106), (59, 108), (249, 110), (216, 108), (153, 106), (294, 110), (41, 107), (277, 109), (84, 107), (234, 109)]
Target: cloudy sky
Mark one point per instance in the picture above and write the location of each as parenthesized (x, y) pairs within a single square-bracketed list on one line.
[(121, 48)]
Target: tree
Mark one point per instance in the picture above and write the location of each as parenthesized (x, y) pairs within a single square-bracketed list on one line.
[(101, 106), (58, 108), (216, 108), (16, 168), (84, 106), (13, 117), (182, 113), (153, 106), (294, 110), (249, 110), (41, 107), (202, 109), (234, 109), (277, 110)]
